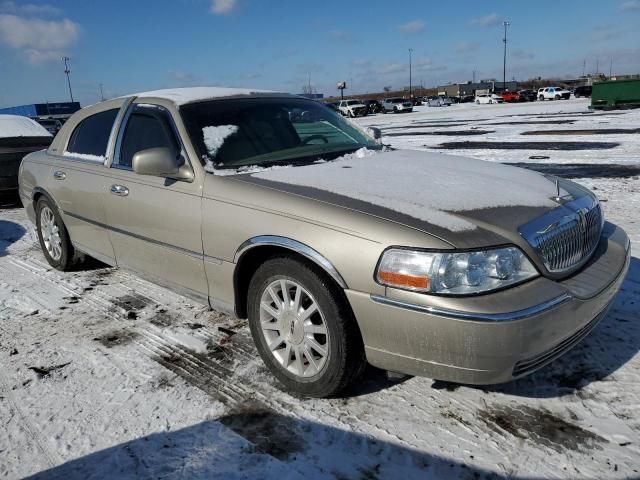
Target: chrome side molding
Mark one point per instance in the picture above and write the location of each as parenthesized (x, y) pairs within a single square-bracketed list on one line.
[(293, 245)]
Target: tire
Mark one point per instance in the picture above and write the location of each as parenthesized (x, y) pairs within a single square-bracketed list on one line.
[(477, 102), (557, 97), (343, 362), (490, 101), (395, 110), (53, 236), (541, 98)]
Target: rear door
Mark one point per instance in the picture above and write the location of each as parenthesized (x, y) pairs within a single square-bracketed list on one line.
[(77, 182), (155, 222)]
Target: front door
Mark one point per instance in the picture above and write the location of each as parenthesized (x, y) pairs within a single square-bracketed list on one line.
[(155, 222)]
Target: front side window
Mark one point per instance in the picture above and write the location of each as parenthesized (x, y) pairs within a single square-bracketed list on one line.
[(233, 133), (147, 127), (91, 136)]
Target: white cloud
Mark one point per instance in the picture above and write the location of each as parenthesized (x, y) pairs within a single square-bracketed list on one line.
[(467, 47), (28, 9), (223, 7), (630, 6), (39, 40), (414, 26), (487, 20)]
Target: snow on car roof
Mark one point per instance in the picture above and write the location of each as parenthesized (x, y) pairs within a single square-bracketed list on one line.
[(181, 96), (17, 126)]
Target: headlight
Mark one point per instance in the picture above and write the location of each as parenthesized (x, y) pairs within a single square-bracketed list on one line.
[(455, 273)]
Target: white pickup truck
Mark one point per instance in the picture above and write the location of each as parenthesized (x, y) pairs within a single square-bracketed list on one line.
[(553, 93), (352, 108)]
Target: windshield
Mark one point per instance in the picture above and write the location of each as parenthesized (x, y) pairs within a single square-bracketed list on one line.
[(353, 102), (233, 133)]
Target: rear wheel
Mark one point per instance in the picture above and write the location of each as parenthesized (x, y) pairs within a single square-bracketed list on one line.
[(541, 98), (303, 328), (53, 236)]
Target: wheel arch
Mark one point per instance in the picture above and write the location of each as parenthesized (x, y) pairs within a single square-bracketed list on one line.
[(253, 252)]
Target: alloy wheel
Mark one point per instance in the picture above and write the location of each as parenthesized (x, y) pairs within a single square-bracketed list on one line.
[(294, 328), (50, 233)]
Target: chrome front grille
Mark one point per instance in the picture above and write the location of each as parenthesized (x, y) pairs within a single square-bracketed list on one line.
[(567, 236), (567, 244)]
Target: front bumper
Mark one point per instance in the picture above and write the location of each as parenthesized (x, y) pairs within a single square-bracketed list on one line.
[(493, 338)]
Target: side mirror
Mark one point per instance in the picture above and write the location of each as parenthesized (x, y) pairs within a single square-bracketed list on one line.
[(160, 162)]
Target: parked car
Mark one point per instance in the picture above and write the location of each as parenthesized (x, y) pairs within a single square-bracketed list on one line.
[(466, 99), (52, 125), (417, 262), (527, 95), (583, 91), (439, 101), (19, 136), (553, 93), (510, 97), (373, 106), (396, 105), (488, 98), (352, 108), (416, 101), (332, 105)]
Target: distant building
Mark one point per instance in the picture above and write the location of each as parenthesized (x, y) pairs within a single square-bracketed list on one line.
[(43, 110), (469, 88)]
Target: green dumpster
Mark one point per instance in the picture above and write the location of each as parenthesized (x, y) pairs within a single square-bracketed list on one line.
[(616, 94)]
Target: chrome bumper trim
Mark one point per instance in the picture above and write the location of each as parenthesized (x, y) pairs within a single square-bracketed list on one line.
[(484, 317)]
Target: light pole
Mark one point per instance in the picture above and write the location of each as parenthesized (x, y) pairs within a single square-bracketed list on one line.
[(504, 59), (101, 93), (67, 71), (410, 52)]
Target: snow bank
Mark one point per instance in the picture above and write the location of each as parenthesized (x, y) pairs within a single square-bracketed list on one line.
[(424, 185), (180, 96), (18, 126)]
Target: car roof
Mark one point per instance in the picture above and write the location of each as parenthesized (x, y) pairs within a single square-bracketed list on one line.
[(182, 96)]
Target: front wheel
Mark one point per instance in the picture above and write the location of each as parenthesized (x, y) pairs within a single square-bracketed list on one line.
[(557, 97), (303, 328)]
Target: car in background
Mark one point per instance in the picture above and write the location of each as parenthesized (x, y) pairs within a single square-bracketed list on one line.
[(553, 93), (373, 106), (510, 97), (583, 91), (439, 101), (488, 98), (527, 95), (417, 101), (396, 105), (466, 99), (352, 108), (53, 125), (332, 105), (19, 136)]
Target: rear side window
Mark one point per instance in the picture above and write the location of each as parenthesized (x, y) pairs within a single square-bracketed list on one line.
[(92, 134)]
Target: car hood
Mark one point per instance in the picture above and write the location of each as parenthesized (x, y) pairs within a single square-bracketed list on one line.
[(463, 201)]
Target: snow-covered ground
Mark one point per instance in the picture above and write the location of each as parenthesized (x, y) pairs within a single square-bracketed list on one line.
[(104, 375)]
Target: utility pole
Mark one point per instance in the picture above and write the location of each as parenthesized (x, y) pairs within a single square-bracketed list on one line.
[(504, 58), (67, 71), (597, 66), (584, 67), (410, 52), (611, 68), (101, 93)]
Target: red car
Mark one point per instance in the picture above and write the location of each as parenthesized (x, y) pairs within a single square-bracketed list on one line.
[(510, 96)]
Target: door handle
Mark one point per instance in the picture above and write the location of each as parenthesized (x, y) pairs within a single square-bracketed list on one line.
[(59, 175), (119, 190)]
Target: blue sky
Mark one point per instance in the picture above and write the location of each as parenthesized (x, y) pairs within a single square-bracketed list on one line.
[(138, 45)]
